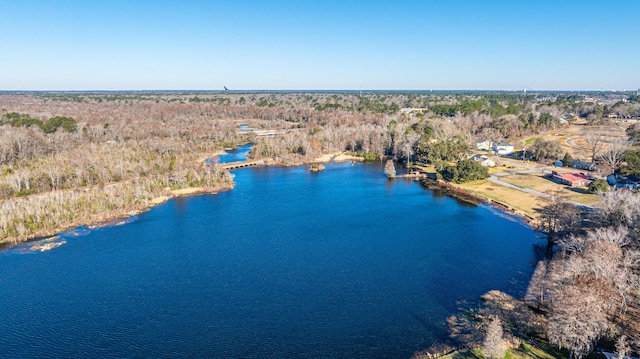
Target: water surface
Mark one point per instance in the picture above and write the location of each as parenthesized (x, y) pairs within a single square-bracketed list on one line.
[(235, 155), (289, 264)]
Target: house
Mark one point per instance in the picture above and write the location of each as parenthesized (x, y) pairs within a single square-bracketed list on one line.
[(571, 179), (483, 160), (483, 145), (619, 181), (558, 163), (583, 165), (502, 148)]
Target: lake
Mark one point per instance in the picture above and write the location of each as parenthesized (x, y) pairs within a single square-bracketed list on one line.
[(289, 264)]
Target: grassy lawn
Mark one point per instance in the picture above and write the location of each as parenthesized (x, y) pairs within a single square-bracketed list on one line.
[(425, 167), (530, 141), (538, 183), (542, 350), (508, 168), (523, 202)]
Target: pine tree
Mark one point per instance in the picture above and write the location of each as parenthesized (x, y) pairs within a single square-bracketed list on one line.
[(566, 160)]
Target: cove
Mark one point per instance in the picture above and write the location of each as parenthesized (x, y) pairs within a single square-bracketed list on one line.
[(288, 264)]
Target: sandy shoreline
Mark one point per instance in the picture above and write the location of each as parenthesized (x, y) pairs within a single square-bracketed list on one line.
[(337, 157)]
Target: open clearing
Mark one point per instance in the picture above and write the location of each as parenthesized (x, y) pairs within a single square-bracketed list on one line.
[(538, 183), (519, 201)]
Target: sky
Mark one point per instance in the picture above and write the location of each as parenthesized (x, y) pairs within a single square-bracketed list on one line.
[(319, 45)]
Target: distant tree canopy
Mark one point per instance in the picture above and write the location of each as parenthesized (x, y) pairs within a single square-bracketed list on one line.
[(494, 107), (14, 119), (376, 106), (465, 171)]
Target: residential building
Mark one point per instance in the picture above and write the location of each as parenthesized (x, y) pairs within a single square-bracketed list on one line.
[(483, 145), (571, 179), (502, 148), (583, 165), (483, 160), (619, 181)]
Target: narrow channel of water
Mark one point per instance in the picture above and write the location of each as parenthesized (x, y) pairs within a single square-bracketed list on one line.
[(238, 154), (289, 264)]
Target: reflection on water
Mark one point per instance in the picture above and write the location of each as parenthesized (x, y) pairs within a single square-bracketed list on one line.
[(341, 264)]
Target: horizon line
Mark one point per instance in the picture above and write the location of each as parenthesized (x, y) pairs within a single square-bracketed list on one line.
[(523, 90)]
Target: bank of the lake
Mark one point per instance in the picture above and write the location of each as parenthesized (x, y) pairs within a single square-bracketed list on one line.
[(109, 215), (342, 263), (240, 154)]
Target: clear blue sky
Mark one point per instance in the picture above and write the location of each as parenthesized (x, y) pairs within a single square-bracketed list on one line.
[(324, 44)]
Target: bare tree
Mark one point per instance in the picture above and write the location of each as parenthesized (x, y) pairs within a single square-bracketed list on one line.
[(390, 169), (595, 141), (612, 155), (622, 347), (557, 218), (536, 289), (494, 345), (618, 208), (578, 243), (578, 319)]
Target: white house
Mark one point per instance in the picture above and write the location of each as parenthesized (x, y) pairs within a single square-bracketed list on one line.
[(483, 160), (483, 145), (502, 148)]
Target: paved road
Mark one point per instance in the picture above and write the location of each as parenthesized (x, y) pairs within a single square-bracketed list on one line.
[(571, 143), (530, 169)]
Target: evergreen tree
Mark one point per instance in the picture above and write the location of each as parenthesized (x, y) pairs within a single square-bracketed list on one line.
[(566, 160)]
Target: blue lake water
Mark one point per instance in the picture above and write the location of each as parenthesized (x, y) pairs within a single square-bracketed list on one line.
[(238, 154), (289, 264)]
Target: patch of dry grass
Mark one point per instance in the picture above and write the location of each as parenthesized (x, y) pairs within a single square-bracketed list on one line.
[(518, 200), (508, 168), (537, 182), (543, 350)]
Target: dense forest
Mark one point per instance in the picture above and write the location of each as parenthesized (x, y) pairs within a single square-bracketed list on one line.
[(68, 159)]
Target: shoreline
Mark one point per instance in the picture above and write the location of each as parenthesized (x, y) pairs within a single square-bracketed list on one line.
[(462, 194), (338, 157), (113, 219), (449, 189), (120, 216)]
